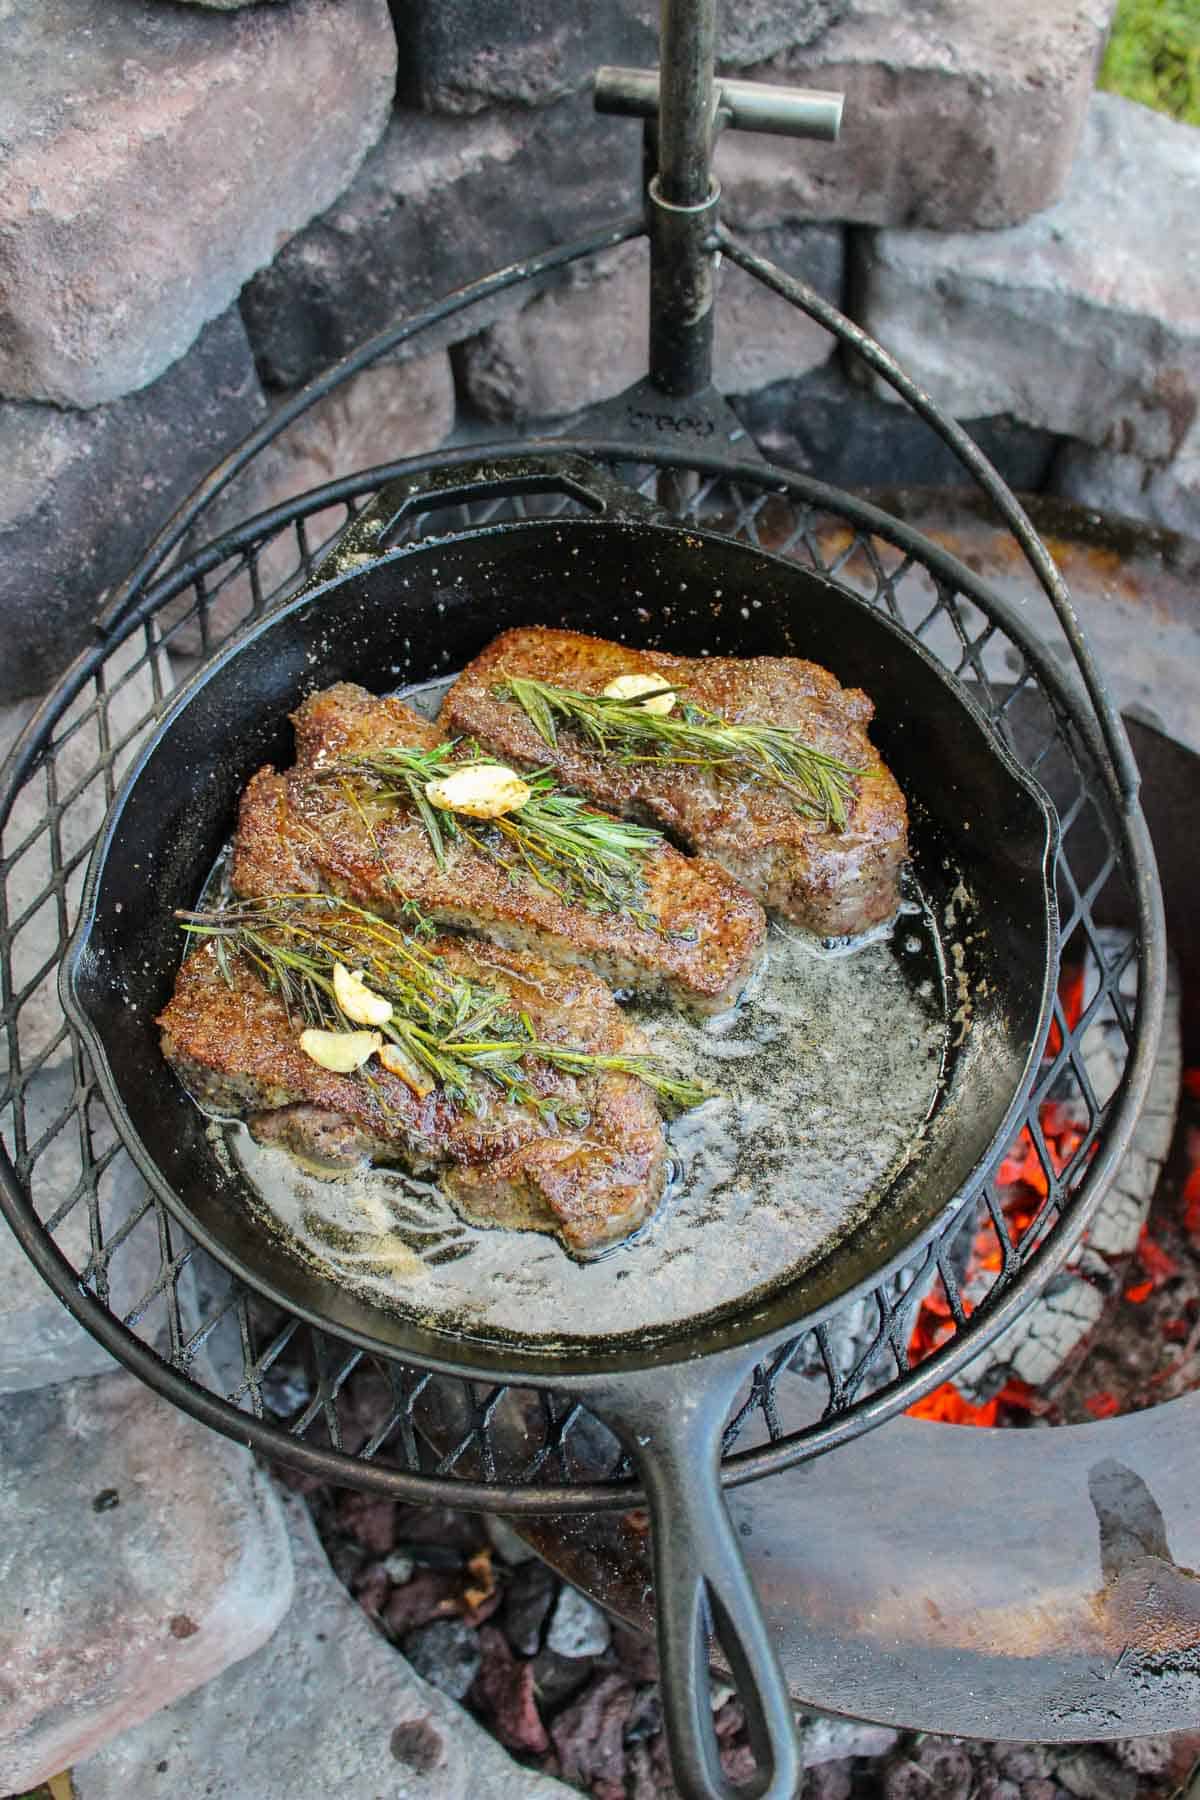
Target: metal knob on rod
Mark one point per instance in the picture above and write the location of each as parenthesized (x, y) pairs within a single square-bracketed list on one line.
[(684, 105), (737, 105)]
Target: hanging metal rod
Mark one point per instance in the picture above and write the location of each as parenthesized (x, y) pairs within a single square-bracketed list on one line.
[(738, 105)]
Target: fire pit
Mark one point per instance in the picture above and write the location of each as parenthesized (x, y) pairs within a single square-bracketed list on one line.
[(211, 1346)]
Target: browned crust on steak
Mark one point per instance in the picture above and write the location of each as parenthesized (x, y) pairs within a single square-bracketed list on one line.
[(830, 882), (236, 1051), (298, 832)]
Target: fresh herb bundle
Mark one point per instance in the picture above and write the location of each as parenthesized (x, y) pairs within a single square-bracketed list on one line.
[(818, 785), (465, 1035), (582, 856)]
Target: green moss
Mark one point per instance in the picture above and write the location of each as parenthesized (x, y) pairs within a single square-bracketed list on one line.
[(1153, 56)]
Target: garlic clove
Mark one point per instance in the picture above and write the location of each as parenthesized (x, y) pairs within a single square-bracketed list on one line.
[(340, 1051), (630, 687), (357, 1000), (480, 791), (398, 1062)]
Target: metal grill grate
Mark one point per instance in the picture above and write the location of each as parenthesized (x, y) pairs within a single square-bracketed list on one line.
[(299, 1394)]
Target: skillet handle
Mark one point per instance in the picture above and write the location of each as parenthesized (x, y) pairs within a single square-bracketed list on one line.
[(368, 536), (701, 1583)]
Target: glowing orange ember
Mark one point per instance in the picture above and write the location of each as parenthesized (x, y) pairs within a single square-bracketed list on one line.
[(1023, 1176), (1102, 1405)]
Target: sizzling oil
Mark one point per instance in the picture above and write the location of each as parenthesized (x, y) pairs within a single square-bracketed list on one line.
[(825, 1075)]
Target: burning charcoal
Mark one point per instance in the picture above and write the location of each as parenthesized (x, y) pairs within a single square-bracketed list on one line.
[(934, 1767), (504, 1693), (646, 1719), (995, 1787), (1090, 1775), (828, 1781), (431, 1594), (577, 1628), (371, 1588), (642, 1784), (589, 1734), (1145, 1756), (446, 1654), (371, 1521), (527, 1606), (557, 1678), (729, 1720), (1022, 1762), (737, 1760)]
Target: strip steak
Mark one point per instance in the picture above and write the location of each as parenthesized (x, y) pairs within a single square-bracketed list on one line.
[(236, 1051), (299, 832), (831, 882)]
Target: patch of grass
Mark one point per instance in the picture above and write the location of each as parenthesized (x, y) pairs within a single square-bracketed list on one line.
[(1153, 56)]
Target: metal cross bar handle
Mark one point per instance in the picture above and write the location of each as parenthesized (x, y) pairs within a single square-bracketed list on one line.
[(737, 105), (684, 106)]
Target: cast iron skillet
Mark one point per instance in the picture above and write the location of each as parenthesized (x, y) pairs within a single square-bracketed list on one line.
[(386, 619)]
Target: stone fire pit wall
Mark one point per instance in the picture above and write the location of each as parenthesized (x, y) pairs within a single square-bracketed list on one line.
[(202, 206)]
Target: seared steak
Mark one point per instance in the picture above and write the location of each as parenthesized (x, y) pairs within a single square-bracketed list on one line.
[(591, 1184), (832, 882), (302, 832)]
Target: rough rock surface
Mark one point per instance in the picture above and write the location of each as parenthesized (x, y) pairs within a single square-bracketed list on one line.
[(327, 1707), (830, 427), (956, 115), (459, 57), (1112, 483), (40, 1341), (84, 492), (1085, 320), (152, 158), (140, 1555), (386, 412), (438, 202), (586, 339), (135, 676)]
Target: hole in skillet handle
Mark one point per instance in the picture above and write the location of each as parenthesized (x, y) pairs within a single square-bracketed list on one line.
[(370, 535), (671, 1420)]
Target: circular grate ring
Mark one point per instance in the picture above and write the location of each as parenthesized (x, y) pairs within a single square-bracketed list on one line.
[(299, 1395)]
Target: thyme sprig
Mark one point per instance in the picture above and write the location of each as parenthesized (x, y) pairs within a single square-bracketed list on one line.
[(467, 1036), (581, 855), (818, 784)]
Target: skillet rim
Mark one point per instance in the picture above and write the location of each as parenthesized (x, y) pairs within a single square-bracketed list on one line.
[(728, 1333)]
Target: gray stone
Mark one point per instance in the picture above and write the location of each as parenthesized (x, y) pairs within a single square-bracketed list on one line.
[(586, 339), (153, 157), (140, 1555), (40, 1341), (577, 1628), (446, 1655), (327, 1707), (1090, 1775), (1125, 486), (84, 493), (829, 426), (136, 676), (1085, 320), (825, 1740), (955, 116), (386, 412), (459, 57), (438, 202)]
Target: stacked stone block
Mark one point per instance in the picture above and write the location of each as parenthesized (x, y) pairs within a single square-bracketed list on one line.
[(201, 208)]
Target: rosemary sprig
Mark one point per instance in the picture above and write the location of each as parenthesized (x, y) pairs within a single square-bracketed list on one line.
[(464, 1034), (582, 856), (818, 785)]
